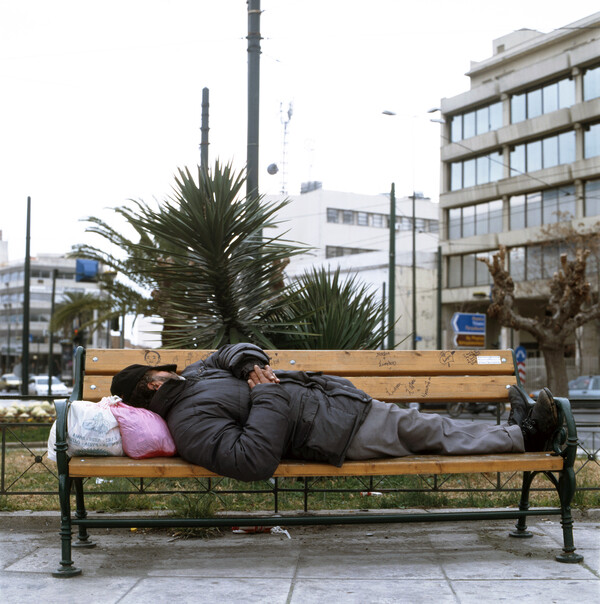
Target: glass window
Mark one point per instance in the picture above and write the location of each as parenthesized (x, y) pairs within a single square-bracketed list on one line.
[(591, 141), (483, 120), (591, 84), (348, 217), (469, 124), (363, 219), (456, 176), (482, 216), (469, 178), (550, 260), (534, 210), (496, 166), (534, 156), (592, 198), (405, 223), (456, 128), (483, 170), (468, 270), (566, 93), (454, 271), (482, 274), (468, 221), (534, 103), (495, 214), (550, 206), (534, 263), (378, 220), (550, 151), (495, 116), (332, 215), (566, 203), (517, 160), (550, 97), (566, 147), (517, 212), (518, 108)]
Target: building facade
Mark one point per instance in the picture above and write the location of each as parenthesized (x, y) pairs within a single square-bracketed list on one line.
[(520, 167), (12, 292), (352, 232)]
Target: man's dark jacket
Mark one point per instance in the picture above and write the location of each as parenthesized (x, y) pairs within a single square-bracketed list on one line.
[(218, 422)]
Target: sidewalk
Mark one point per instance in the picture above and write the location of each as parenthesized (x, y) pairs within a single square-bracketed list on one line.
[(413, 563)]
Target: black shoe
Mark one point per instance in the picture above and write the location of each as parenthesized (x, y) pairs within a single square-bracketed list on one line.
[(519, 407), (541, 424)]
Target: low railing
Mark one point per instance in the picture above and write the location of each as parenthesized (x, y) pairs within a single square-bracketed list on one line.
[(25, 470)]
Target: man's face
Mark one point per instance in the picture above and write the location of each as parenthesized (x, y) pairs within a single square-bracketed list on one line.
[(158, 378)]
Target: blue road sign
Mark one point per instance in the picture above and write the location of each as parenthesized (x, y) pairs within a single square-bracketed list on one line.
[(463, 322), (520, 354)]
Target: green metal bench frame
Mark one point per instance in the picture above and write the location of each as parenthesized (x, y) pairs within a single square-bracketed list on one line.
[(564, 445)]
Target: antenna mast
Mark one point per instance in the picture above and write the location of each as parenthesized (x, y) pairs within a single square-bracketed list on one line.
[(285, 120)]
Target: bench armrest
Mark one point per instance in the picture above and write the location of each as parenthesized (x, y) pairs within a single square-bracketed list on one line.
[(565, 440)]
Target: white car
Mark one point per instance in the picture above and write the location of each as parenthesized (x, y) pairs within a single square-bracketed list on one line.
[(38, 386)]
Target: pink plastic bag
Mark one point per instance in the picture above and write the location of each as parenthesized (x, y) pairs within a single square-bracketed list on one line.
[(143, 432)]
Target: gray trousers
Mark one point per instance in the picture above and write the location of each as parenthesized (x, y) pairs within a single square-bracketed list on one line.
[(389, 431)]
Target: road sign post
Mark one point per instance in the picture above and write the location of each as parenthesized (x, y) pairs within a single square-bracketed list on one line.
[(469, 330)]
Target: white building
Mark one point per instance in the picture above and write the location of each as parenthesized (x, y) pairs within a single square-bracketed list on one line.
[(12, 293), (352, 231), (521, 151)]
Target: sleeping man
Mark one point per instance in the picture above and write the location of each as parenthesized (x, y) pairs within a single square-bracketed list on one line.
[(236, 417)]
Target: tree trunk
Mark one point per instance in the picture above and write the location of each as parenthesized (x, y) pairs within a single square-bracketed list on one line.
[(556, 370)]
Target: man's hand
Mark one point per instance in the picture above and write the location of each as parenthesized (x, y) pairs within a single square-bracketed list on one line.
[(262, 376)]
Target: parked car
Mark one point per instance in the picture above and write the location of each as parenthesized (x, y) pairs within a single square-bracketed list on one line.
[(584, 391), (10, 381), (38, 386)]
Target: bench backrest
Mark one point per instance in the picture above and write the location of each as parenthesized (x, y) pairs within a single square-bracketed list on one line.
[(402, 376)]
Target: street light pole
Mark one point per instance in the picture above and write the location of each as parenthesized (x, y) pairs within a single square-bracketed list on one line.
[(392, 271), (414, 274)]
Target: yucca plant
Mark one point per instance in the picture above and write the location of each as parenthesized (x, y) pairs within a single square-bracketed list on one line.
[(215, 275), (330, 312)]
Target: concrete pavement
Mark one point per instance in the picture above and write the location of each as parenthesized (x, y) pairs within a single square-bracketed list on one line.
[(413, 563)]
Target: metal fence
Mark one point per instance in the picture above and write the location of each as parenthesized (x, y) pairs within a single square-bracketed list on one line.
[(26, 471)]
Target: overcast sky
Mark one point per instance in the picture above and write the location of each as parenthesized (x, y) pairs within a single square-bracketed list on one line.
[(101, 100)]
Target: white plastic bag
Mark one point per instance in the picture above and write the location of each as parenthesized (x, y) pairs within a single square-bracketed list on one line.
[(92, 430)]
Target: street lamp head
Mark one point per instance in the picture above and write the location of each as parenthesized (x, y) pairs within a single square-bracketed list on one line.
[(388, 112)]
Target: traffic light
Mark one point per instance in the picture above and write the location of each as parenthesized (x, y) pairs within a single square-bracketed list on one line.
[(78, 337)]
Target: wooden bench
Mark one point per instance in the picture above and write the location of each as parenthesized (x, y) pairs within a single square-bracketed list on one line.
[(397, 376)]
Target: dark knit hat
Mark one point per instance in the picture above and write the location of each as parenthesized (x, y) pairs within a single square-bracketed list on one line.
[(126, 380)]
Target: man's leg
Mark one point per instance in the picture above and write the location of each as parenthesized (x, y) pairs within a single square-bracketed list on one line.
[(389, 431)]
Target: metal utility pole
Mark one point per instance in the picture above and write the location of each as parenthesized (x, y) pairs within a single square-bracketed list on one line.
[(204, 131), (51, 335), (392, 271), (254, 39), (414, 274), (439, 297), (26, 288)]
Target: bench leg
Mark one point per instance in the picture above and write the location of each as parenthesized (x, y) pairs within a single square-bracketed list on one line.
[(66, 568), (521, 526), (566, 491), (83, 538)]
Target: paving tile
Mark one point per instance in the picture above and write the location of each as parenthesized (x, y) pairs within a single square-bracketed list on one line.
[(372, 592), (543, 591), (185, 590)]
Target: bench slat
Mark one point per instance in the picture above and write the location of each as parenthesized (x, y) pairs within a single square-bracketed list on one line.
[(175, 467), (394, 389), (336, 362)]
